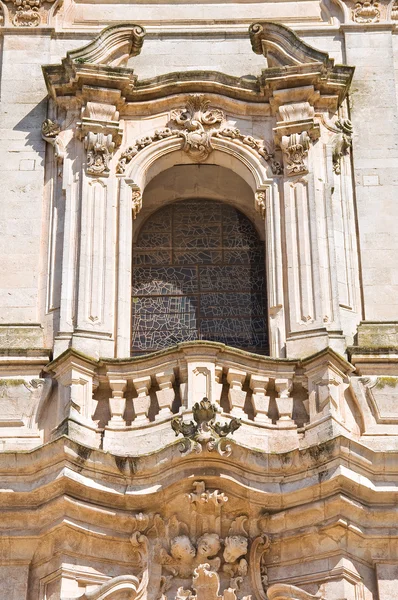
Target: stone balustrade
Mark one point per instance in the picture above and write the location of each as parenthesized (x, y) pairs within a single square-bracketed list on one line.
[(135, 398)]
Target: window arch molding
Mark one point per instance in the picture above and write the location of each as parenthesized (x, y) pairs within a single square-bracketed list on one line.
[(245, 163)]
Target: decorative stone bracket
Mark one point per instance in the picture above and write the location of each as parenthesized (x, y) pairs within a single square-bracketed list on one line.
[(99, 127), (296, 128)]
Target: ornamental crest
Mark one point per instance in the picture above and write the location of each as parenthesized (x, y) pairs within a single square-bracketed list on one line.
[(198, 124), (204, 548)]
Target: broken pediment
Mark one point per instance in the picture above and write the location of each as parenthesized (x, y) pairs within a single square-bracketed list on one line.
[(102, 67), (283, 48)]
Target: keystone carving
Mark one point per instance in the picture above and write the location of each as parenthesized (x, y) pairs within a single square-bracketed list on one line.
[(199, 124), (342, 142), (205, 430)]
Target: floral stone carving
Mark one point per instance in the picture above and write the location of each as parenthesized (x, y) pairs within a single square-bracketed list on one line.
[(28, 13), (295, 149), (199, 124), (99, 152), (366, 11), (205, 430)]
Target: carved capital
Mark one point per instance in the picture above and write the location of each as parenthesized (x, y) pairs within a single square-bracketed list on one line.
[(295, 149), (99, 127)]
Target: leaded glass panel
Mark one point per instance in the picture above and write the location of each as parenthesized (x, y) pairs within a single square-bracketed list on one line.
[(198, 273)]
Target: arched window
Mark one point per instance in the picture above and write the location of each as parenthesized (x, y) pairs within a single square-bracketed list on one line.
[(198, 274)]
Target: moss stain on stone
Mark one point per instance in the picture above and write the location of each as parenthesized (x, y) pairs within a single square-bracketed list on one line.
[(383, 382)]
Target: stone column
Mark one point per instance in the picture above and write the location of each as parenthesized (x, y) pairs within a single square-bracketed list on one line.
[(312, 288), (100, 133)]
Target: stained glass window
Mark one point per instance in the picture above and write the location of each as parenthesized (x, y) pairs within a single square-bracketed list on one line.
[(198, 274)]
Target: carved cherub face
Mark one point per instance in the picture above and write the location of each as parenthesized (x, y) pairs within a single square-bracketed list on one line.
[(208, 545), (181, 548), (235, 547)]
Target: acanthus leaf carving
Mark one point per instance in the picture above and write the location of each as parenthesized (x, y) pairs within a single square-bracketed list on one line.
[(199, 124), (366, 11), (295, 148), (204, 430), (99, 148)]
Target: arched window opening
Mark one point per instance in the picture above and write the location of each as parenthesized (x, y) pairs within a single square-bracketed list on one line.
[(198, 274)]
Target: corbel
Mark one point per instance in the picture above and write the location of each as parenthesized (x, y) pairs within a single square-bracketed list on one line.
[(296, 127), (99, 128)]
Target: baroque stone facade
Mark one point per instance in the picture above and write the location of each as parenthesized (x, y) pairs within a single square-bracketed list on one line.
[(199, 314)]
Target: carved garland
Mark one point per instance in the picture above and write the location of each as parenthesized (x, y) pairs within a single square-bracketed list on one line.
[(198, 120)]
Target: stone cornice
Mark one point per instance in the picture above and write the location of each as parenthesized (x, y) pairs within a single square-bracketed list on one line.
[(278, 482), (102, 64)]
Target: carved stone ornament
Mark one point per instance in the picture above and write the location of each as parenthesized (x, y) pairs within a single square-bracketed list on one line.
[(394, 11), (342, 142), (30, 13), (366, 11), (205, 430), (99, 152), (50, 131), (199, 124), (295, 148), (136, 202), (186, 557)]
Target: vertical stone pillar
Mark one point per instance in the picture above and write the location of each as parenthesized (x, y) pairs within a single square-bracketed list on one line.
[(117, 403), (236, 395), (166, 393), (312, 289), (260, 401), (100, 133), (143, 401), (284, 401)]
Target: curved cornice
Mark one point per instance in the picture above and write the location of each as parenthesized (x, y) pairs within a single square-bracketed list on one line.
[(283, 48), (292, 63), (273, 482)]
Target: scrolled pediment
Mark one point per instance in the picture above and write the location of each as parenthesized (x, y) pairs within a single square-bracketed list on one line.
[(282, 47), (102, 65), (112, 47)]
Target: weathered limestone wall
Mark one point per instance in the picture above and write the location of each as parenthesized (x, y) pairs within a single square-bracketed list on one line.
[(374, 115)]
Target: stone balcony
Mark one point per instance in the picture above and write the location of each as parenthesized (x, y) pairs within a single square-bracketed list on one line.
[(125, 406)]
